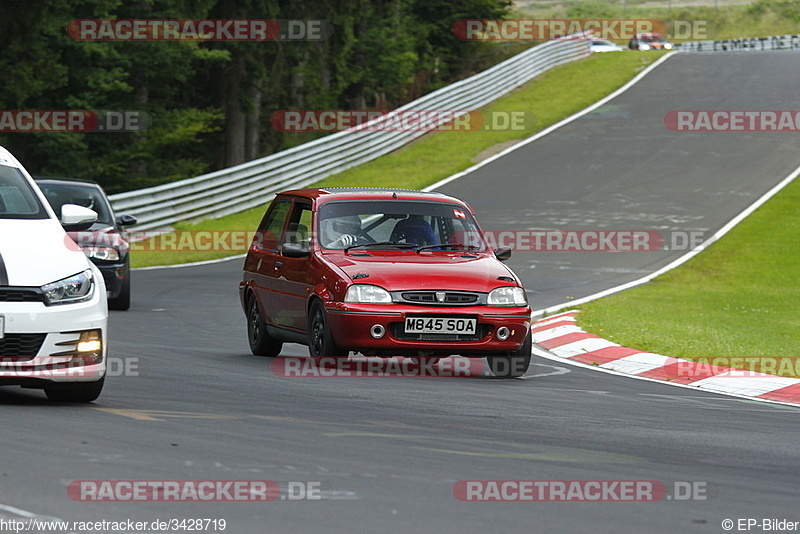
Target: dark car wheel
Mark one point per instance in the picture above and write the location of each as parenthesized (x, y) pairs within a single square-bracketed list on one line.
[(122, 301), (514, 364), (261, 343), (320, 340), (74, 391)]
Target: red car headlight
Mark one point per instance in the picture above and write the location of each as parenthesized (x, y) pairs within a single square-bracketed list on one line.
[(367, 294), (507, 296)]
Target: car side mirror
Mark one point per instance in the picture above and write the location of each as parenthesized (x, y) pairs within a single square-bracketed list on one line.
[(126, 220), (295, 250), (76, 218), (502, 253)]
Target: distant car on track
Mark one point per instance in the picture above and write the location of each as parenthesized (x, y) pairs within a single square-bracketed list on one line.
[(104, 242), (53, 309), (649, 41), (383, 273), (603, 45)]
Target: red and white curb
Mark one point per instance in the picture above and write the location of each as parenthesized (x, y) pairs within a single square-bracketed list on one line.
[(562, 337)]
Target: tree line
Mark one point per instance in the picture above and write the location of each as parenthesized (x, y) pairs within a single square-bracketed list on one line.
[(210, 102)]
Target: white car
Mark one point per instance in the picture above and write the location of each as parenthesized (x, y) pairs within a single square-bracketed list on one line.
[(53, 309), (603, 45)]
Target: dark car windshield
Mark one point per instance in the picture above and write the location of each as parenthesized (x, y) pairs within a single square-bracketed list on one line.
[(394, 224), (17, 198), (86, 195)]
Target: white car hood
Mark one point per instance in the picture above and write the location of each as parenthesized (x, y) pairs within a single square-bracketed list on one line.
[(37, 252)]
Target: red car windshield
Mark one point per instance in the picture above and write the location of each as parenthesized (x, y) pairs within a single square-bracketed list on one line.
[(397, 224)]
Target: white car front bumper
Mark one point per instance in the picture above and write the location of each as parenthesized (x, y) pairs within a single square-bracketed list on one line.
[(40, 343)]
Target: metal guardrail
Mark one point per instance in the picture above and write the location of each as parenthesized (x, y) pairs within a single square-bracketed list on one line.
[(256, 182), (774, 42)]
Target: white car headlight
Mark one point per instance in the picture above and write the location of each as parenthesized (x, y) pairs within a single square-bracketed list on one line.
[(76, 288), (644, 47), (668, 46), (507, 296), (102, 253), (367, 294)]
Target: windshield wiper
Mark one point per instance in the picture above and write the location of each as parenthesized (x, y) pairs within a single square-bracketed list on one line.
[(381, 244), (447, 245)]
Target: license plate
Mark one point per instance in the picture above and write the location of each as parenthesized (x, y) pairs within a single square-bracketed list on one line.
[(2, 326), (440, 325)]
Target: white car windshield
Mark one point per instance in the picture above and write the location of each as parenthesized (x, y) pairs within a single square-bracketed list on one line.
[(17, 199), (397, 224)]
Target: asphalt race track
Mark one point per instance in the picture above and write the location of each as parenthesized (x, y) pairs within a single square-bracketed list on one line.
[(620, 168), (195, 405)]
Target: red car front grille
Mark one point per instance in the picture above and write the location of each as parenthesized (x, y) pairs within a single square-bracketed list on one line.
[(447, 298)]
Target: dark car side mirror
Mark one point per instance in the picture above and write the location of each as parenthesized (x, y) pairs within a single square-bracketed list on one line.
[(502, 253), (295, 250), (126, 220)]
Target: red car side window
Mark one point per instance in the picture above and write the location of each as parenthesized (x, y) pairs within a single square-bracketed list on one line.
[(271, 228), (297, 231)]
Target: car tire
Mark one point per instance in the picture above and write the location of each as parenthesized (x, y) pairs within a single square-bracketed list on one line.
[(514, 364), (82, 392), (261, 343), (320, 340), (122, 301)]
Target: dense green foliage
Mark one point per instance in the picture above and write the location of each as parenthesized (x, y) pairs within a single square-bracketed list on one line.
[(210, 102)]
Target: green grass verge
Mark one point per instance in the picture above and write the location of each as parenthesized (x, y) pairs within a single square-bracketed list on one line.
[(551, 97), (168, 249), (738, 299)]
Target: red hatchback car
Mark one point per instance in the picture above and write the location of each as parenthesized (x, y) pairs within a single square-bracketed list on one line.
[(382, 273)]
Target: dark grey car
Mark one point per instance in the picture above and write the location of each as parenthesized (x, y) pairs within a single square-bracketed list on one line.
[(103, 242)]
